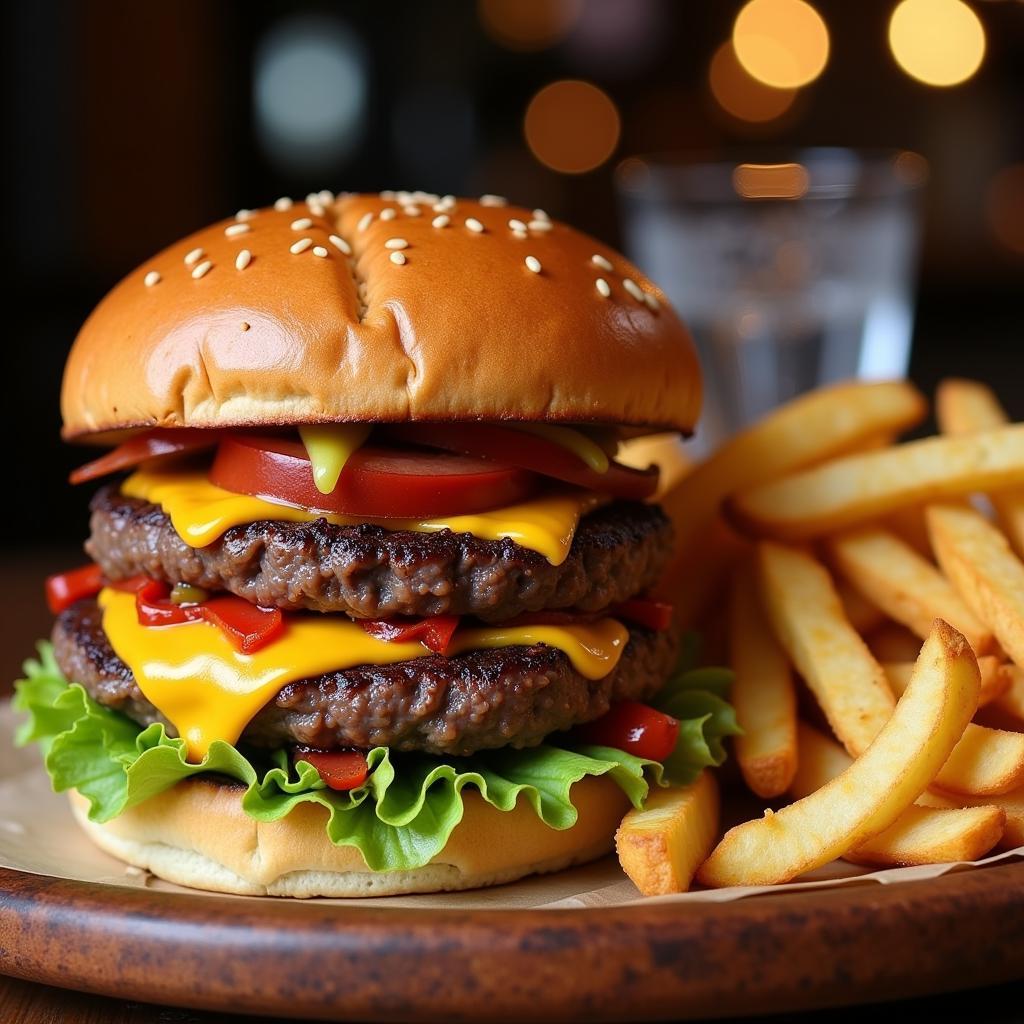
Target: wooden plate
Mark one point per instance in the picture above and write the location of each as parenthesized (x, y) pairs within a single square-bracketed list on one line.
[(773, 953)]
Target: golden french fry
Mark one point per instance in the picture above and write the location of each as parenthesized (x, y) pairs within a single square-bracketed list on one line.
[(985, 762), (920, 835), (862, 614), (666, 451), (1011, 804), (834, 661), (995, 682), (1011, 701), (893, 642), (909, 524), (907, 587), (660, 846), (874, 791), (763, 693), (848, 491), (966, 406), (812, 428)]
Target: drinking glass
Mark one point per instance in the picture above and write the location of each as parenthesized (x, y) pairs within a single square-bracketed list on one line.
[(791, 271)]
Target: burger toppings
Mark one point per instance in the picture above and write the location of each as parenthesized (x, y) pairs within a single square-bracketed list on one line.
[(340, 769), (434, 633), (146, 449), (636, 728), (64, 589), (329, 447)]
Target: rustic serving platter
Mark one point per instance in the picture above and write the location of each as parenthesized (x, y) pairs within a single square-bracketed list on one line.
[(325, 961)]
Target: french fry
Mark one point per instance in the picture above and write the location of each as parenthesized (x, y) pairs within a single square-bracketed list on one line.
[(909, 524), (661, 846), (978, 561), (995, 681), (848, 491), (874, 791), (862, 614), (834, 661), (801, 433), (1011, 804), (1011, 701), (966, 406), (921, 834), (763, 693), (907, 587), (893, 642), (985, 762)]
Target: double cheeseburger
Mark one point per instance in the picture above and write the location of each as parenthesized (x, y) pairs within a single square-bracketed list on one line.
[(369, 607)]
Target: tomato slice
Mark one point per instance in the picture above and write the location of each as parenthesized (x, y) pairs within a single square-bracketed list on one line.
[(155, 444), (340, 769), (635, 728), (529, 451), (65, 588), (435, 633), (376, 482)]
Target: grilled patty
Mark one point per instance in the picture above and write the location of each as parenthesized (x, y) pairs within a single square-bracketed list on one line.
[(511, 696), (369, 572)]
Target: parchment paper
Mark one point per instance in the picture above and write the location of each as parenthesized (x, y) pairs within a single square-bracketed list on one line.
[(39, 835)]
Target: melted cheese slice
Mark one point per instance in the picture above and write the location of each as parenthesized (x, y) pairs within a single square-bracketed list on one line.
[(200, 512), (210, 691)]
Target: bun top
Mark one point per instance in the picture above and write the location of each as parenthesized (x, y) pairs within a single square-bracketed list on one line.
[(385, 308)]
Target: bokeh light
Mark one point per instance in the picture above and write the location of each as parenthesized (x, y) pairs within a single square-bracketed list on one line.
[(572, 126), (938, 42), (742, 96), (783, 43), (770, 181), (1004, 207), (528, 24)]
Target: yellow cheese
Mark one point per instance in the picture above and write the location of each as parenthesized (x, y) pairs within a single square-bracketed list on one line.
[(329, 446), (586, 449), (208, 690), (200, 512)]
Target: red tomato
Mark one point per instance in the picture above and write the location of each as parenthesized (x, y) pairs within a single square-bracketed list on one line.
[(435, 633), (375, 482), (154, 444), (340, 769), (519, 448), (64, 589), (635, 728)]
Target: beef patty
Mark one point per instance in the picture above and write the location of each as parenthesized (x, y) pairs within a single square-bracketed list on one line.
[(511, 696), (369, 572)]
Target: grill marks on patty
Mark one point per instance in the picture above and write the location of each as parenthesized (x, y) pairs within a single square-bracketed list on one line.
[(512, 696), (369, 572)]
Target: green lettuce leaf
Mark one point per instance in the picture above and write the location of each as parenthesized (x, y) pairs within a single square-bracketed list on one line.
[(404, 813)]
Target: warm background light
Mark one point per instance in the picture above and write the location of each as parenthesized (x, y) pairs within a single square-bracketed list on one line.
[(528, 24), (742, 96), (1004, 208), (783, 43), (938, 42), (572, 126), (770, 181)]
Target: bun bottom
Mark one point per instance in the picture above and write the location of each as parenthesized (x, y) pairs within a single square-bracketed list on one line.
[(197, 835)]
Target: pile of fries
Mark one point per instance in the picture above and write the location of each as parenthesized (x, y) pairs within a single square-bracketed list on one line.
[(875, 624)]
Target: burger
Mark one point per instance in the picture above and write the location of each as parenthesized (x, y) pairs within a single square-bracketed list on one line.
[(370, 605)]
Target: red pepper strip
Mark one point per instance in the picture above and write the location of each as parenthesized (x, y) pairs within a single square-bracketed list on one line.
[(130, 584), (65, 588), (154, 444), (340, 769), (248, 626), (635, 728), (640, 610), (435, 633)]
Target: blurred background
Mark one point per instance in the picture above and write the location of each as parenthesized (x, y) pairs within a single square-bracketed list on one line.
[(132, 124)]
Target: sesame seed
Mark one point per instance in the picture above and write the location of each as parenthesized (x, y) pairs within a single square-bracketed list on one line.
[(326, 196), (340, 244), (396, 243), (312, 197), (517, 225), (411, 210), (521, 234), (301, 224), (236, 229), (398, 258), (474, 225), (539, 225), (152, 278), (533, 264), (633, 288), (364, 222), (449, 199), (201, 269), (245, 215), (387, 194), (652, 302), (442, 220), (284, 203), (603, 287), (600, 261), (243, 259), (444, 206), (319, 250), (389, 214), (540, 215), (316, 209), (194, 256), (300, 246), (491, 200)]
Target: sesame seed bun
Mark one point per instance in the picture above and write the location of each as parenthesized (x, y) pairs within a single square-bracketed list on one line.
[(318, 313), (196, 834)]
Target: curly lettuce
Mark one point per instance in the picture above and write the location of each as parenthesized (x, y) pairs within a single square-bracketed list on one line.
[(402, 816)]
